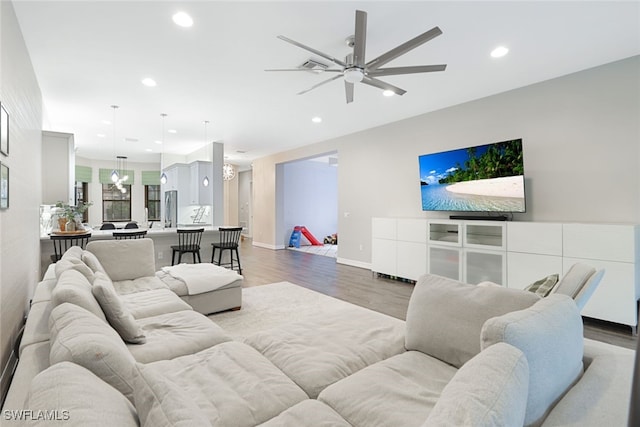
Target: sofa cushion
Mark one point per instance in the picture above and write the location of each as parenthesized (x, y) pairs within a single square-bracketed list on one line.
[(573, 281), (37, 327), (74, 252), (80, 337), (69, 263), (324, 349), (399, 391), (544, 286), (70, 392), (161, 403), (490, 390), (153, 303), (309, 412), (115, 311), (125, 259), (141, 284), (550, 335), (444, 317), (232, 383), (92, 262), (171, 335), (73, 287)]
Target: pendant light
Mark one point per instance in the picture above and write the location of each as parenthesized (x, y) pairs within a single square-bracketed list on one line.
[(114, 173), (163, 176), (205, 180)]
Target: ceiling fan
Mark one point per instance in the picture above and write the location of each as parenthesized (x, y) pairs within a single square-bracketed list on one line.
[(354, 69)]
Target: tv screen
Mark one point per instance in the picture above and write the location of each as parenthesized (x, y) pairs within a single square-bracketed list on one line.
[(485, 178)]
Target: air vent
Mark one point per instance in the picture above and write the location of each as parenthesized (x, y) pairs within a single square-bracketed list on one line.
[(312, 65)]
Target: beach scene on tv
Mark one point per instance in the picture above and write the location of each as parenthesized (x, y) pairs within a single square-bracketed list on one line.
[(485, 178)]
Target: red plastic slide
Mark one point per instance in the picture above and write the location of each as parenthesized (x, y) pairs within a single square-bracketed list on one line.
[(306, 233)]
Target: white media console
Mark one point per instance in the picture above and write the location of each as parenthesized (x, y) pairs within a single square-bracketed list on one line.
[(515, 254)]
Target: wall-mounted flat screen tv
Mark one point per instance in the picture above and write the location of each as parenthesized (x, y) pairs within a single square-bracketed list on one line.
[(485, 178)]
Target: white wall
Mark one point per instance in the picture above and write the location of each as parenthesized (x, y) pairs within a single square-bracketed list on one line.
[(245, 185), (95, 188), (19, 230), (582, 156), (310, 199)]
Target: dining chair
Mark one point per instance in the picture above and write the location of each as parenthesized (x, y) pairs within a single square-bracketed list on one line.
[(63, 242), (107, 226), (126, 235), (188, 242), (131, 225), (229, 241)]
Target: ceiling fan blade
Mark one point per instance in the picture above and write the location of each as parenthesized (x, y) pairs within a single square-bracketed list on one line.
[(360, 39), (305, 69), (403, 48), (406, 70), (348, 90), (383, 85), (320, 84), (312, 50)]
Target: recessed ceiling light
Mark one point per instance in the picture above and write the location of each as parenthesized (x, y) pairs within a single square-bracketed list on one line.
[(106, 122), (158, 142), (499, 52), (172, 131), (101, 135), (182, 19), (149, 82), (149, 150), (317, 119), (388, 93)]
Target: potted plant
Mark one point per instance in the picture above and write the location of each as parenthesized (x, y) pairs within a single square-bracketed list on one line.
[(70, 217)]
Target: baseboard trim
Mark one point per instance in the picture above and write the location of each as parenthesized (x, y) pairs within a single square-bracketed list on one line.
[(354, 263), (267, 246), (7, 374)]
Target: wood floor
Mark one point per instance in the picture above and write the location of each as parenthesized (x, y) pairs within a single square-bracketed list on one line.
[(359, 286)]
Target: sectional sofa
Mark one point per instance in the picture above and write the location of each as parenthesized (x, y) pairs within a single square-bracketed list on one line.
[(118, 353)]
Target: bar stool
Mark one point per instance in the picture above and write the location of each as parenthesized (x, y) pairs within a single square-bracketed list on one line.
[(229, 238), (126, 235), (188, 242), (63, 242)]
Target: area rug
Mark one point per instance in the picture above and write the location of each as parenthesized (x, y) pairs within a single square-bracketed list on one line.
[(277, 304)]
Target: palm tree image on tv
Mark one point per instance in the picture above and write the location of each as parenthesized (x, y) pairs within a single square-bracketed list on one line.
[(485, 178)]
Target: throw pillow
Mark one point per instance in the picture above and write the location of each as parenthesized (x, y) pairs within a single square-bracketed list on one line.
[(116, 312), (92, 262), (550, 335), (74, 288), (65, 264), (574, 280), (444, 317), (161, 403), (543, 287), (72, 390), (80, 337), (490, 390)]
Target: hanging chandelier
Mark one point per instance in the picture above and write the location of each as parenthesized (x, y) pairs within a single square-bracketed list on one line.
[(228, 172), (119, 173)]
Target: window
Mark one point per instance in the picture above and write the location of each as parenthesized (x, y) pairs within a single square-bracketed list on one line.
[(116, 205), (82, 190), (152, 202)]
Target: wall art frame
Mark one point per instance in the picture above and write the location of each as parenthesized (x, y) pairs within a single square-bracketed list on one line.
[(4, 130)]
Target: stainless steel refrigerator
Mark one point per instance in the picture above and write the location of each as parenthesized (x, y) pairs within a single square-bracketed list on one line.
[(170, 209)]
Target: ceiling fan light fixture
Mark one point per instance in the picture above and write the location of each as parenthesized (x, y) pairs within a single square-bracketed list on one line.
[(388, 93), (353, 75)]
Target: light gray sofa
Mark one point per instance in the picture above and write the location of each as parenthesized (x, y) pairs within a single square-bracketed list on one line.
[(467, 355)]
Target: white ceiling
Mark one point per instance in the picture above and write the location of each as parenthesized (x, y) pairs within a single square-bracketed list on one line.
[(88, 55)]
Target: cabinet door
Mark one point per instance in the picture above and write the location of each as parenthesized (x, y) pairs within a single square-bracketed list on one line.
[(484, 235), (445, 262), (448, 233), (600, 241), (383, 256), (535, 238), (615, 299), (412, 230), (383, 228), (524, 269), (481, 266), (411, 260)]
